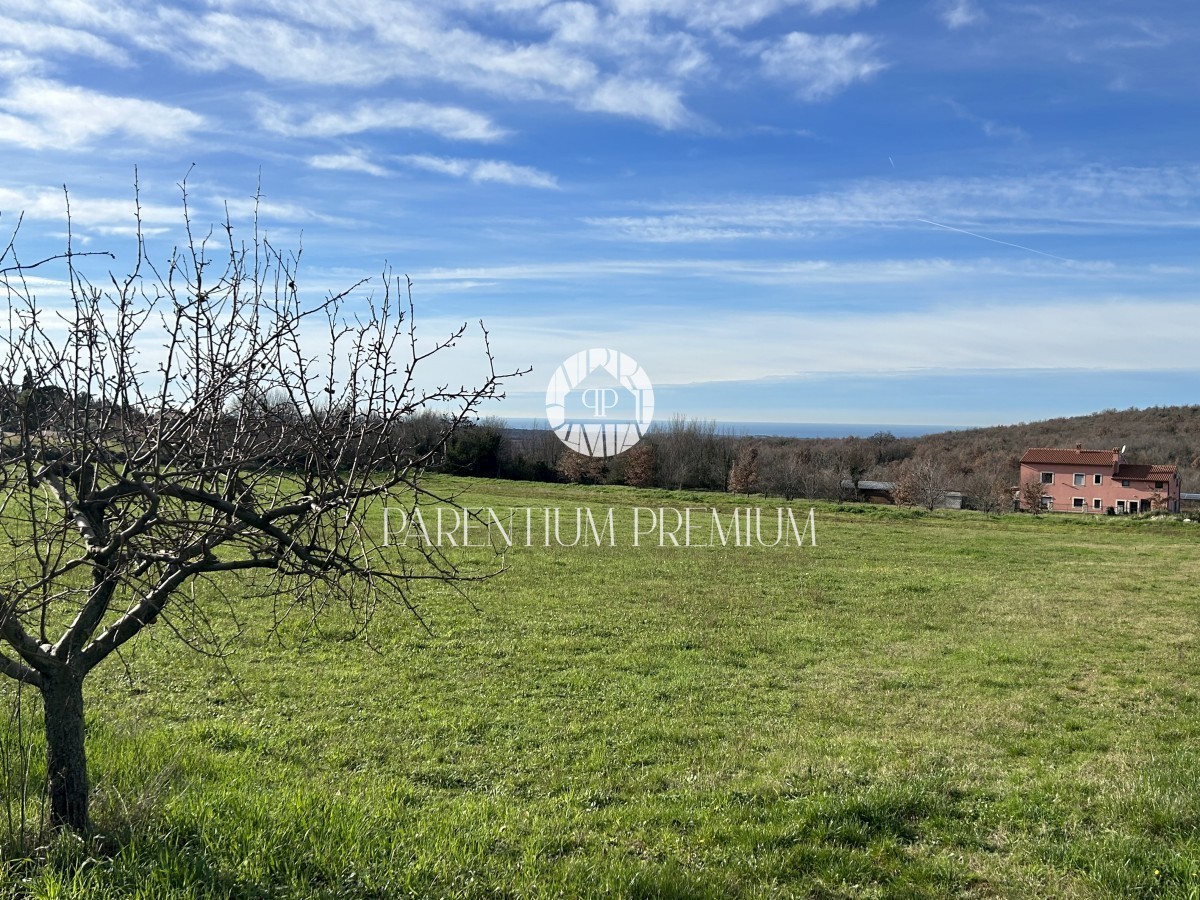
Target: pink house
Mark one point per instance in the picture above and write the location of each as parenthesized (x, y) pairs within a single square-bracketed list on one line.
[(1098, 482)]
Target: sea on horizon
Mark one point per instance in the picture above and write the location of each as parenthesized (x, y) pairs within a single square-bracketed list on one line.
[(790, 429)]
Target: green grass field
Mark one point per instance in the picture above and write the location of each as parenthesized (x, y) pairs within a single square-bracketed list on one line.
[(923, 705)]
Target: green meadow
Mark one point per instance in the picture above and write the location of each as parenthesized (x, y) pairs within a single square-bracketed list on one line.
[(922, 705)]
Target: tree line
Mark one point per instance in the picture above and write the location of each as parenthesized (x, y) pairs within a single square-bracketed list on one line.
[(687, 453)]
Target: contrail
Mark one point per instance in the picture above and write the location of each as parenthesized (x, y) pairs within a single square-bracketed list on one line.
[(995, 240)]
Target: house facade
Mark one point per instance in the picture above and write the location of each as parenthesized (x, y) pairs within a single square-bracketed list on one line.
[(1098, 482)]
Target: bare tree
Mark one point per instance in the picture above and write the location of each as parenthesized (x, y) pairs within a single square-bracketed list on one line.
[(990, 488), (578, 468), (532, 454), (191, 420), (852, 458), (1032, 494), (782, 470), (743, 474), (922, 482), (638, 465), (692, 453)]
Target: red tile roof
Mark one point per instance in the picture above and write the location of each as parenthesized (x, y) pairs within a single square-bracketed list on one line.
[(1059, 456), (1145, 473), (1052, 456)]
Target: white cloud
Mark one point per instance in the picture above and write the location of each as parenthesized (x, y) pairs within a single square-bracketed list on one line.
[(14, 63), (822, 65), (452, 122), (895, 272), (1088, 199), (623, 65), (722, 14), (573, 22), (822, 6), (480, 170), (37, 37), (750, 344), (990, 127), (270, 210), (131, 230), (1073, 335), (641, 100), (368, 44), (270, 47), (113, 16), (346, 162), (630, 46), (37, 113), (633, 58), (102, 214), (961, 13), (116, 215)]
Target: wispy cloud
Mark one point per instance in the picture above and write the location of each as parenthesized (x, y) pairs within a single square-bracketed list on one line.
[(1072, 335), (92, 16), (38, 38), (346, 162), (1094, 198), (823, 6), (822, 65), (14, 63), (824, 272), (640, 100), (1096, 36), (633, 58), (989, 127), (721, 14), (118, 215), (369, 44), (37, 114), (480, 109), (961, 13), (797, 343), (242, 208), (451, 122), (110, 215), (480, 170)]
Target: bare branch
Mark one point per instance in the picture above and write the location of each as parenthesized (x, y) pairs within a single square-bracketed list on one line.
[(18, 672), (203, 418)]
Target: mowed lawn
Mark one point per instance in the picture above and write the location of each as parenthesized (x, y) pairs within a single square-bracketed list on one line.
[(922, 705)]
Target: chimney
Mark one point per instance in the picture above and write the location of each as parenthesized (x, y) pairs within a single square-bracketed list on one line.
[(1116, 460)]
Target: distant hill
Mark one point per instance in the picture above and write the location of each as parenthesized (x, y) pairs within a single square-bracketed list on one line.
[(1158, 434), (979, 462)]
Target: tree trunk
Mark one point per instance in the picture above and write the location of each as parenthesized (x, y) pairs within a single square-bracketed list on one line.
[(62, 699)]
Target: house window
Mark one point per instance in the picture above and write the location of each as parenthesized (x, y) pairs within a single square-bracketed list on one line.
[(1047, 478), (1077, 503), (1097, 479), (1124, 482), (1047, 503), (1078, 479), (1120, 506), (1158, 485), (1096, 504)]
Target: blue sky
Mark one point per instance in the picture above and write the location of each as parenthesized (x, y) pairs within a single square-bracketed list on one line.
[(960, 212)]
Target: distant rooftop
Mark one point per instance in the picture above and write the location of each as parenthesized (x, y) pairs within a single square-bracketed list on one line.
[(1052, 456), (1143, 473), (1058, 456)]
